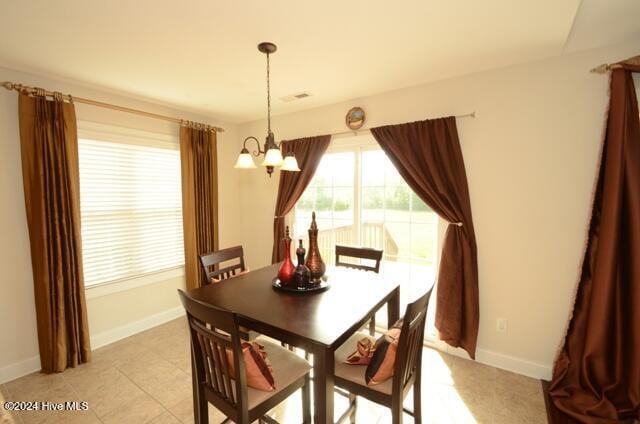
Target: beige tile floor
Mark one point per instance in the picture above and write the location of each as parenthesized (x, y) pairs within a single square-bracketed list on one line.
[(146, 379)]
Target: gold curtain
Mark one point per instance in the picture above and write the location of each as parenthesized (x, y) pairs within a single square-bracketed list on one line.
[(198, 156), (49, 146)]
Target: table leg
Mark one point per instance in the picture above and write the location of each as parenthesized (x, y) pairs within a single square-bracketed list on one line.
[(323, 383), (393, 307)]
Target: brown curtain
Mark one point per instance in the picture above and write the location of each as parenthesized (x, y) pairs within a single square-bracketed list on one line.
[(427, 155), (596, 378), (198, 157), (308, 151), (49, 147)]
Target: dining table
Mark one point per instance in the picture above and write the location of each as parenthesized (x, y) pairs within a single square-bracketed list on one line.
[(318, 322)]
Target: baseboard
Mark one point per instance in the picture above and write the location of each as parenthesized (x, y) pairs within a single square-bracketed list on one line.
[(110, 336), (31, 365), (507, 363), (18, 369)]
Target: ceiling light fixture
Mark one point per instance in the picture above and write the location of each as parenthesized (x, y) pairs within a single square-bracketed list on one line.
[(272, 153)]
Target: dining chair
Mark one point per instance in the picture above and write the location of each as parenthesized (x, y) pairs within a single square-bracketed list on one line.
[(214, 383), (361, 253), (211, 263), (407, 369)]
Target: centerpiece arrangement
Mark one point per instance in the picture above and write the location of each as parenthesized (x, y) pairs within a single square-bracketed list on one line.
[(308, 275)]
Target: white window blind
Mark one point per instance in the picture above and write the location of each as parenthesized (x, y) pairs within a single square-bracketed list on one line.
[(131, 209)]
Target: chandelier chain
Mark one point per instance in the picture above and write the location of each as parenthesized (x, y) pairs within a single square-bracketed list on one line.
[(268, 98)]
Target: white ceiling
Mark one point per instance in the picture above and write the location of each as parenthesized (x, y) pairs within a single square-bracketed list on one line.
[(201, 54)]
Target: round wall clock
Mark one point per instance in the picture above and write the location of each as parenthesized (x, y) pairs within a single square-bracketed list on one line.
[(354, 118)]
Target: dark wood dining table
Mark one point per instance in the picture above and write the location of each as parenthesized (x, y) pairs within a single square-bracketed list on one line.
[(318, 323)]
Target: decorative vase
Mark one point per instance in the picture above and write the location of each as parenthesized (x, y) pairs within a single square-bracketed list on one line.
[(314, 260), (285, 273), (301, 275)]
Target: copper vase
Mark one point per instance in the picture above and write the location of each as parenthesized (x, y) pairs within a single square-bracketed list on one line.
[(285, 274), (314, 260)]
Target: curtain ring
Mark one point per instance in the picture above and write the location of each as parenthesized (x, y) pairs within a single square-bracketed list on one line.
[(40, 92), (57, 96)]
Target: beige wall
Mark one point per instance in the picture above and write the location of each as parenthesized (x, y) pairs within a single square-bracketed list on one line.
[(531, 157), (18, 345)]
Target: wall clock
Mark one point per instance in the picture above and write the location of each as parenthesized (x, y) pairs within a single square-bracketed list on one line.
[(354, 118)]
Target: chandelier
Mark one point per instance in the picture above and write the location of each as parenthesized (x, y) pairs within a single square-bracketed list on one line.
[(273, 157)]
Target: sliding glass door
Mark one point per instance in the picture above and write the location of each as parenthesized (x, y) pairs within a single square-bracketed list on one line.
[(361, 200)]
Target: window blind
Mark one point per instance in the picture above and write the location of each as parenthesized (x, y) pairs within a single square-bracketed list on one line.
[(131, 209)]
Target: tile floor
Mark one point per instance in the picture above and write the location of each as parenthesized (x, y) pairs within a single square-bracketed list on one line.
[(146, 379)]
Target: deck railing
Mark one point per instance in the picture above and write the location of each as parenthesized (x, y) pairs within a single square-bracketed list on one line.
[(374, 234)]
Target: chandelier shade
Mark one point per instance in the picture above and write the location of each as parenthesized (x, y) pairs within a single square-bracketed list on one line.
[(273, 157), (290, 163), (245, 161)]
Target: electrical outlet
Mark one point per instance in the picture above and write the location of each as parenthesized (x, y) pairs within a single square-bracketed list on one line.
[(501, 325)]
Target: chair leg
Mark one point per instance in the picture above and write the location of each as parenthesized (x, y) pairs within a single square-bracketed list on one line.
[(372, 326), (396, 415), (417, 401), (306, 400), (203, 410), (353, 400)]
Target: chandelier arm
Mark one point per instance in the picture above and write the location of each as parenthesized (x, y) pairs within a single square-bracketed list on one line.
[(255, 153)]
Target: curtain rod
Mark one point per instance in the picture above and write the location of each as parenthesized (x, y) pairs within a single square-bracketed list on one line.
[(35, 91), (604, 68), (367, 130)]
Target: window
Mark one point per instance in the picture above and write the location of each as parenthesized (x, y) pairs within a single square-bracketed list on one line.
[(131, 206), (361, 200)]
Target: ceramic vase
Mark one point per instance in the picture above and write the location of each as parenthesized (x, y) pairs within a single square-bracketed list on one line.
[(314, 260), (285, 273), (301, 275)]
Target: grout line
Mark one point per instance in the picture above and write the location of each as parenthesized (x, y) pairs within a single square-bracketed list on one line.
[(145, 392), (73, 389)]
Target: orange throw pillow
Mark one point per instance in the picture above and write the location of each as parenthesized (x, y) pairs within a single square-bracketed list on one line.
[(383, 359), (258, 368)]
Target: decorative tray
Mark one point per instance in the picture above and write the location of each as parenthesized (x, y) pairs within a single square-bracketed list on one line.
[(314, 288)]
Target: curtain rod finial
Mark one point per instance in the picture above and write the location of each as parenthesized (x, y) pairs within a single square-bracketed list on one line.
[(602, 69), (8, 85)]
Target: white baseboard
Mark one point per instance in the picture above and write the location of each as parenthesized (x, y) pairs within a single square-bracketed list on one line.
[(504, 362), (513, 364), (18, 369), (110, 336), (31, 365)]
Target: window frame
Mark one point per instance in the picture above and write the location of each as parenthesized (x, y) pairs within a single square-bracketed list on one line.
[(116, 134)]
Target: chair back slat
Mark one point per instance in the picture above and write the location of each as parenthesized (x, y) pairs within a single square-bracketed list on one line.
[(409, 354), (223, 367), (359, 253), (214, 332), (211, 263)]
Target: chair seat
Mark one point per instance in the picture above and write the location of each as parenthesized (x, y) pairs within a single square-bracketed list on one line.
[(287, 368), (355, 373)]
